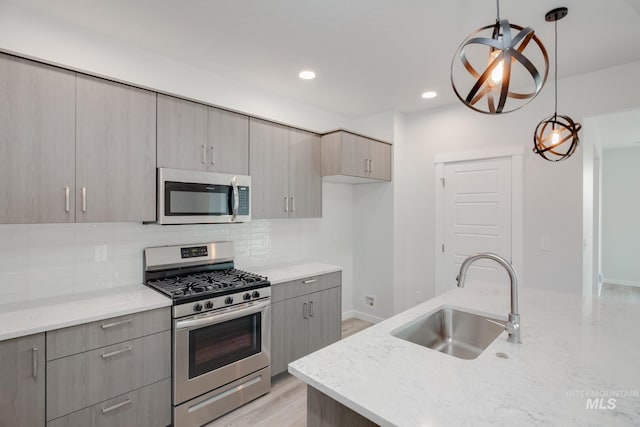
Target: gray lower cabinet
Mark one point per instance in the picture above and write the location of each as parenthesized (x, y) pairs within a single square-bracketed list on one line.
[(115, 152), (193, 136), (285, 172), (22, 381), (149, 406), (37, 142), (305, 316), (348, 154), (112, 372)]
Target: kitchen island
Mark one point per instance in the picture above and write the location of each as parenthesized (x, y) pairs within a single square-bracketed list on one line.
[(577, 365)]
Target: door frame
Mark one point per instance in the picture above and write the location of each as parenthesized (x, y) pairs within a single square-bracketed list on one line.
[(515, 154)]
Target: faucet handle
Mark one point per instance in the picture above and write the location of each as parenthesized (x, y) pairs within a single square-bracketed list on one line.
[(512, 327)]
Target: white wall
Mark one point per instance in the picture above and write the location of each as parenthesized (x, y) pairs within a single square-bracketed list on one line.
[(621, 216), (553, 191)]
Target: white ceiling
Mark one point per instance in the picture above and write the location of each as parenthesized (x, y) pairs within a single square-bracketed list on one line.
[(369, 55)]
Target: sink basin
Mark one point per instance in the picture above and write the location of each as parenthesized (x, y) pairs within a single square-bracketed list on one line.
[(451, 331)]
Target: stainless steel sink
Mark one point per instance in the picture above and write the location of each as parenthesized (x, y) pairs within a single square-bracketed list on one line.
[(455, 332)]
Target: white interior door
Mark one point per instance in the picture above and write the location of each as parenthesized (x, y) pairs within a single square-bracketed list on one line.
[(477, 217)]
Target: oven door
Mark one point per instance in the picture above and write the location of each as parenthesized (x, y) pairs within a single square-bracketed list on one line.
[(191, 197), (214, 349)]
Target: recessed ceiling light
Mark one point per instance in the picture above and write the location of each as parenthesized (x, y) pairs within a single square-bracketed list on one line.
[(430, 94), (307, 75)]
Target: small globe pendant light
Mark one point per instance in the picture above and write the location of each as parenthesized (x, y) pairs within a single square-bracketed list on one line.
[(499, 51), (556, 137)]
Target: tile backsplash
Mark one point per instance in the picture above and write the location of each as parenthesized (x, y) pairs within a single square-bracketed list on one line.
[(41, 260)]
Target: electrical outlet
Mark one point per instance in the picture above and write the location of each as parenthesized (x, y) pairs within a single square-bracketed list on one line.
[(419, 297), (101, 253), (545, 243), (370, 301)]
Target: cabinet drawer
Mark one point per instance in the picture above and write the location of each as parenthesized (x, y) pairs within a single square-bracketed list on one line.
[(81, 380), (89, 336), (307, 285), (146, 407)]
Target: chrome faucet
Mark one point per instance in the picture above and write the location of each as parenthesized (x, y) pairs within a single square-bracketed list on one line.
[(513, 325)]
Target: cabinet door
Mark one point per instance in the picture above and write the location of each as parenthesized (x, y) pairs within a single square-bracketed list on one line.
[(325, 314), (380, 155), (289, 332), (228, 142), (305, 180), (355, 155), (269, 169), (115, 152), (182, 134), (37, 142), (22, 382)]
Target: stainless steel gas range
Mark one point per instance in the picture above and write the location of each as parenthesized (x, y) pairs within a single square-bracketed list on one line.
[(221, 328)]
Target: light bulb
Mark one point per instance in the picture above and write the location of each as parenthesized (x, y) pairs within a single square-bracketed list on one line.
[(497, 73), (555, 137)]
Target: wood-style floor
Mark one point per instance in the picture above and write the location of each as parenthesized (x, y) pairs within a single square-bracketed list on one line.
[(286, 404)]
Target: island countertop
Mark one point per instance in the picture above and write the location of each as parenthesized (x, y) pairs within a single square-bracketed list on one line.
[(577, 366)]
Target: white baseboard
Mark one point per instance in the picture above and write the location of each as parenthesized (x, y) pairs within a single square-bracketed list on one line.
[(621, 282), (360, 315)]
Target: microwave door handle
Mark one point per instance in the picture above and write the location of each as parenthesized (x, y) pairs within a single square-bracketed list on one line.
[(222, 317), (236, 198)]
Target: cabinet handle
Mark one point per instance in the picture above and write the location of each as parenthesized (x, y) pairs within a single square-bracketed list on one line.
[(66, 199), (213, 155), (370, 166), (286, 204), (293, 204), (111, 325), (306, 282), (116, 406), (204, 154), (84, 199), (311, 309), (34, 358), (115, 353), (366, 165), (305, 311)]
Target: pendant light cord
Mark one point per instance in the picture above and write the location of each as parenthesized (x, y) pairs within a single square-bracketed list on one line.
[(555, 111), (498, 10)]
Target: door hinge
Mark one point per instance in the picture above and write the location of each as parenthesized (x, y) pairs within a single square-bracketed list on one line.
[(443, 248), (442, 181)]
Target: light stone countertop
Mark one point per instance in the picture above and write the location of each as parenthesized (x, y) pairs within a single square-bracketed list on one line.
[(31, 317), (285, 273), (573, 348)]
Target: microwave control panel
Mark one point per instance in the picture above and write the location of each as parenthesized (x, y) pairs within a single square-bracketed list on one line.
[(243, 200)]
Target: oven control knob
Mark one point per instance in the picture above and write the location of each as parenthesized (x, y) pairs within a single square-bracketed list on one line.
[(228, 300), (246, 296), (197, 307), (209, 305), (256, 294)]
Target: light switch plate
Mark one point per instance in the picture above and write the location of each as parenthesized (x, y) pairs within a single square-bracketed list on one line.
[(101, 253)]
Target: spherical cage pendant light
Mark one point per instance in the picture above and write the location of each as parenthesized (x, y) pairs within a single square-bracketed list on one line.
[(492, 60), (556, 137)]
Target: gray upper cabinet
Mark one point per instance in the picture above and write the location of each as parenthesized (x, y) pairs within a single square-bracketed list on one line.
[(228, 139), (197, 137), (37, 142), (351, 155), (115, 152), (305, 180), (285, 172), (182, 134), (22, 381)]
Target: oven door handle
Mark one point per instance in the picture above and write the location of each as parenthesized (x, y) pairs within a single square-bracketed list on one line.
[(223, 317)]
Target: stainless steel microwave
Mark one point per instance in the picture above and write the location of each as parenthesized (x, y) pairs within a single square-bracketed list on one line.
[(192, 197)]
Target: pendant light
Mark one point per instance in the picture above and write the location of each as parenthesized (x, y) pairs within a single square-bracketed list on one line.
[(556, 137), (499, 51)]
